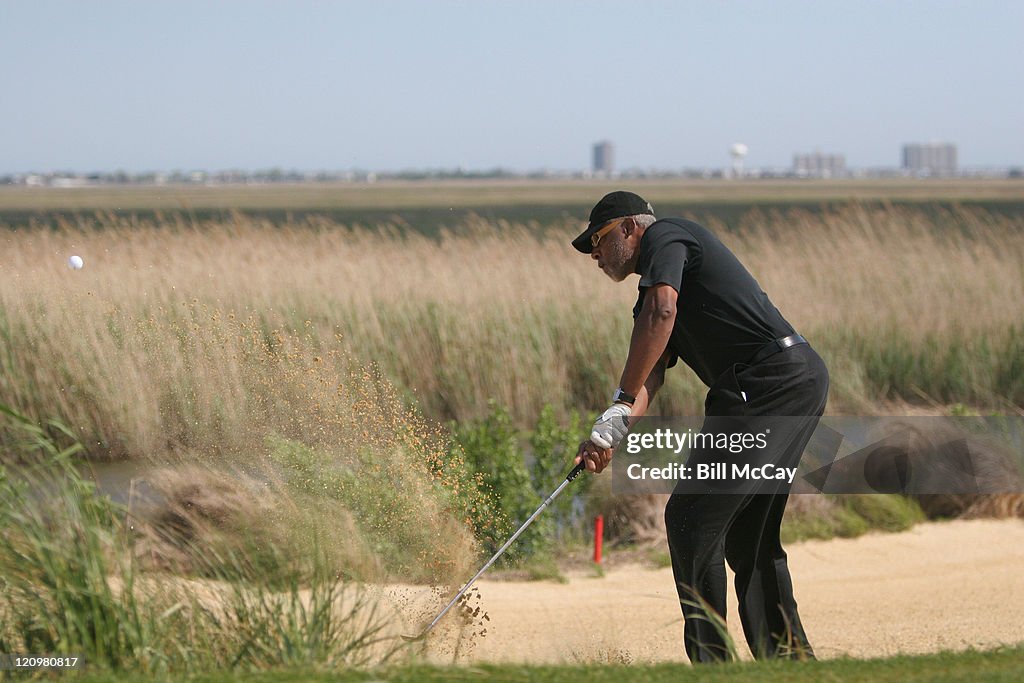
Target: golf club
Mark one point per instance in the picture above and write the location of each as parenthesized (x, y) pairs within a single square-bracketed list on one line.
[(572, 475)]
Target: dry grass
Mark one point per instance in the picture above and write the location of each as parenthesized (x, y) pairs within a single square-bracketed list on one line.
[(202, 358), (174, 338), (306, 356)]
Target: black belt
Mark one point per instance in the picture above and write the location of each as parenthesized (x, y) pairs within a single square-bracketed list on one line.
[(773, 347)]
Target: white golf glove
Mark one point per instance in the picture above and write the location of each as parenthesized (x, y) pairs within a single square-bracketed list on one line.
[(611, 426)]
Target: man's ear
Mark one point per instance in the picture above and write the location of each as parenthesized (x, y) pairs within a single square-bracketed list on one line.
[(629, 226)]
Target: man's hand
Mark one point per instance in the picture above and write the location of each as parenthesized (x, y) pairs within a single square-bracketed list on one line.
[(611, 426), (597, 458)]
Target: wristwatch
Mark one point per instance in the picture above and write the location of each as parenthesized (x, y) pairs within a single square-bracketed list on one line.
[(622, 397)]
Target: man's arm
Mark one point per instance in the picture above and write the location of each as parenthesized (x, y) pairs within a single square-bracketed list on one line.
[(650, 388), (651, 332), (598, 458)]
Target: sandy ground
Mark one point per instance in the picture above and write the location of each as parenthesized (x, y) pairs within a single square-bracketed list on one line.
[(940, 586)]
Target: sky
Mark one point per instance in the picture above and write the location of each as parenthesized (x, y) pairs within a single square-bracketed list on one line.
[(524, 85)]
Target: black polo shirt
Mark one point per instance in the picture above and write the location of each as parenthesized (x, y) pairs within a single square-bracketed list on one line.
[(722, 315)]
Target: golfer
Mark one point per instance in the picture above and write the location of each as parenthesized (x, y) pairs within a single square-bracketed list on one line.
[(698, 303)]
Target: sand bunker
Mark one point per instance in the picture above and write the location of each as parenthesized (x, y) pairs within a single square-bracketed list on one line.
[(940, 586)]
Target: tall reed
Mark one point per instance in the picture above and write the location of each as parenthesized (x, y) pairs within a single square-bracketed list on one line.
[(175, 338)]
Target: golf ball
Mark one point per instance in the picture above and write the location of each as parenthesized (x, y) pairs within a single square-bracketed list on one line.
[(75, 262)]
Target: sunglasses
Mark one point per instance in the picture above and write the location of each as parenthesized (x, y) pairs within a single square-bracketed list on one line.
[(595, 239)]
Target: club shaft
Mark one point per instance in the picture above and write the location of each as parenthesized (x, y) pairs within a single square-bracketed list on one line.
[(501, 550)]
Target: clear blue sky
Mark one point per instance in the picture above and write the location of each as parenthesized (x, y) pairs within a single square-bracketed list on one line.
[(389, 84)]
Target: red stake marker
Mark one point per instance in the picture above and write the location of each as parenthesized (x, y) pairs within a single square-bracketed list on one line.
[(598, 537)]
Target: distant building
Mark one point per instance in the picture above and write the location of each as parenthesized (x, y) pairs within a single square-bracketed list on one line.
[(932, 158), (604, 158), (818, 165)]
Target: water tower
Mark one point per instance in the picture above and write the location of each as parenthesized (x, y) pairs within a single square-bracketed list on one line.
[(738, 152)]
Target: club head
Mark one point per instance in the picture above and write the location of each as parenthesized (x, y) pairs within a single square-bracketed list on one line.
[(576, 471)]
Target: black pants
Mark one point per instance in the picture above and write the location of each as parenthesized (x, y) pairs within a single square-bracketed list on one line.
[(743, 527)]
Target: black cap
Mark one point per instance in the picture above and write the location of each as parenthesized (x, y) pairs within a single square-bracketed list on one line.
[(612, 205)]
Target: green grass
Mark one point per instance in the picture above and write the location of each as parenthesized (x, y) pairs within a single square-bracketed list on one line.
[(851, 516), (1005, 664), (72, 580)]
